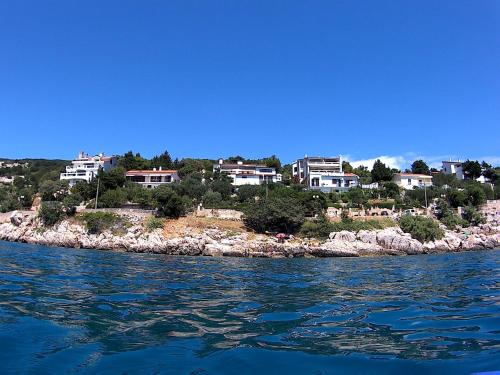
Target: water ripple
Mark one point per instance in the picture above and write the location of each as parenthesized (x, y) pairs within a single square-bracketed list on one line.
[(101, 310)]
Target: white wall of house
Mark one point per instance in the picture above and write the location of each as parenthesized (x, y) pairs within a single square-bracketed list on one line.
[(323, 173), (151, 179), (85, 168), (453, 167), (410, 181), (248, 174)]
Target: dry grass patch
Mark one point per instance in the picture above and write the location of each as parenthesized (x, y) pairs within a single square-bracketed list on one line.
[(192, 224)]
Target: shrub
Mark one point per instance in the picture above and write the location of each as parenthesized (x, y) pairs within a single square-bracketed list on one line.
[(97, 222), (168, 203), (71, 202), (276, 214), (320, 228), (456, 198), (112, 198), (51, 212), (452, 221), (473, 216), (247, 193), (137, 194), (421, 228), (357, 225), (386, 205), (212, 199), (475, 195), (447, 215), (153, 223)]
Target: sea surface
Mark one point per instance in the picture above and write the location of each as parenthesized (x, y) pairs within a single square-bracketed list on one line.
[(91, 311)]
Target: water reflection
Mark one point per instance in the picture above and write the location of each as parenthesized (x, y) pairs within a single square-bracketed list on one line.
[(96, 303)]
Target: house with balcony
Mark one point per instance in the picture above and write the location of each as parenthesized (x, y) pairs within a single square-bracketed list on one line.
[(323, 173), (409, 181), (247, 174), (152, 178), (85, 167)]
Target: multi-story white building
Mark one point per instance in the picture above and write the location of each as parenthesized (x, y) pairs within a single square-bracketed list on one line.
[(85, 167), (323, 173), (153, 178), (453, 167), (409, 181), (247, 174)]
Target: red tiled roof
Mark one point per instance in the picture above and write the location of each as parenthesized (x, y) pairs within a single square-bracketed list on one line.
[(414, 174), (149, 171), (243, 165), (350, 174)]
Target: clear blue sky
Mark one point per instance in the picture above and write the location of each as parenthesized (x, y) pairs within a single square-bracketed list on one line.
[(219, 78)]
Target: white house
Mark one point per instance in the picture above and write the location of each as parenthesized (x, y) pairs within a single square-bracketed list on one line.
[(85, 167), (323, 173), (456, 168), (409, 181), (152, 178), (453, 167), (247, 174)]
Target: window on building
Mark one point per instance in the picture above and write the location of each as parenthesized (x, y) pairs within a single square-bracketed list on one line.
[(138, 179), (409, 181), (315, 182)]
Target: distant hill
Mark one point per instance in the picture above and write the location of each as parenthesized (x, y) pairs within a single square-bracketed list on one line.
[(34, 169)]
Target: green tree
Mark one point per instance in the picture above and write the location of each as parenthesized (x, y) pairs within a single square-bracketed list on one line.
[(212, 199), (473, 216), (112, 179), (347, 167), (492, 174), (471, 169), (475, 195), (390, 190), (280, 214), (164, 160), (53, 190), (114, 198), (380, 172), (70, 203), (248, 193), (420, 167), (51, 212), (192, 186), (129, 161), (223, 186), (365, 176), (421, 228), (456, 198), (356, 196), (168, 203), (272, 162)]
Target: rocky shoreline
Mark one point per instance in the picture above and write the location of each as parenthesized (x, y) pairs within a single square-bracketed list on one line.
[(25, 227)]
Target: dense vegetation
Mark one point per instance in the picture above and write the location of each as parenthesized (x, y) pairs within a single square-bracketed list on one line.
[(97, 222), (421, 228), (281, 207)]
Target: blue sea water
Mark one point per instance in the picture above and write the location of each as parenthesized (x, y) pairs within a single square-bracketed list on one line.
[(89, 311)]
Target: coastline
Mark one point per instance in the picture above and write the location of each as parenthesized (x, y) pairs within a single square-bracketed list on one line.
[(25, 227)]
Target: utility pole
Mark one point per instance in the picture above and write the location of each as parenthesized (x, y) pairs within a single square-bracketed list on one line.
[(425, 194), (97, 192)]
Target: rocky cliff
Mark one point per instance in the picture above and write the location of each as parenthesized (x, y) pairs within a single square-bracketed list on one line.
[(24, 227)]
